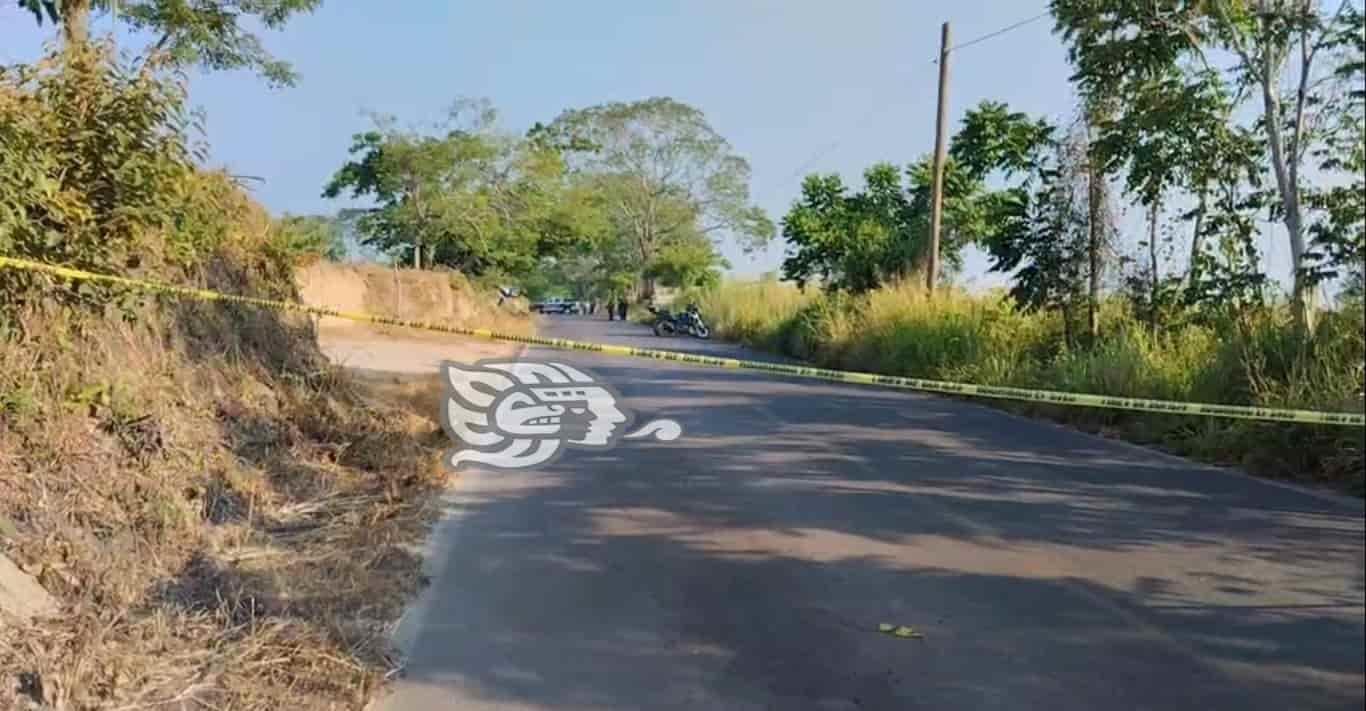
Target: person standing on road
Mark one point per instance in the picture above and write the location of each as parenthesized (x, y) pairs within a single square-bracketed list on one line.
[(621, 310)]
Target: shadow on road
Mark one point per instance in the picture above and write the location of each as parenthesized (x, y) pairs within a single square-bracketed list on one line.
[(750, 562)]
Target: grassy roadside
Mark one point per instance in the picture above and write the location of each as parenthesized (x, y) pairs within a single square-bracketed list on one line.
[(223, 516), (1255, 360)]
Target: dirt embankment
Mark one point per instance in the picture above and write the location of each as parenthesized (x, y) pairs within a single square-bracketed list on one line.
[(445, 298), (201, 511), (220, 518)]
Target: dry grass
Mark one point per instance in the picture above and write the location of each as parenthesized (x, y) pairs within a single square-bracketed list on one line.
[(224, 517)]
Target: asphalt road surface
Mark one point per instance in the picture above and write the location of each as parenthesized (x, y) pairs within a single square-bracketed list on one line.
[(748, 564)]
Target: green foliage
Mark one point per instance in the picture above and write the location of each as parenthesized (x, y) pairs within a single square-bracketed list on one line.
[(995, 139), (1294, 71), (467, 197), (664, 174), (1042, 234), (858, 241), (1338, 250), (210, 34), (309, 235), (691, 263), (95, 171), (600, 202), (827, 246)]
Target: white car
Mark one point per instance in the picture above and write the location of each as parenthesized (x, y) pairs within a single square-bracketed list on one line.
[(556, 306)]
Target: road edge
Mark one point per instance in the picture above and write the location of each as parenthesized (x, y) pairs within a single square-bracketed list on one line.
[(434, 553)]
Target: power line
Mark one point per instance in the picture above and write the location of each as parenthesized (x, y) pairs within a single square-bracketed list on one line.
[(876, 108), (997, 33), (830, 147)]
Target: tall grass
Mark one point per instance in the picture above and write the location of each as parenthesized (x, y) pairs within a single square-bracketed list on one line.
[(755, 313), (1256, 359)]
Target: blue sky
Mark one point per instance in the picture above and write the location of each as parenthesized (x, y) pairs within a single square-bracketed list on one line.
[(812, 84)]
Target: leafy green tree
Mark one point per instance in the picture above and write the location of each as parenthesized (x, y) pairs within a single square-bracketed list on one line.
[(858, 241), (688, 263), (95, 167), (1121, 47), (996, 140), (468, 196), (1338, 248), (210, 34), (1049, 223), (406, 174), (664, 173), (831, 242), (1042, 228)]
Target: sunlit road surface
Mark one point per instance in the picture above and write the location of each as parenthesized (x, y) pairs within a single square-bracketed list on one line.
[(749, 564)]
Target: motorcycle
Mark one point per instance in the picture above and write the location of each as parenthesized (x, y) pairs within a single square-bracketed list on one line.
[(688, 322), (665, 323), (691, 322)]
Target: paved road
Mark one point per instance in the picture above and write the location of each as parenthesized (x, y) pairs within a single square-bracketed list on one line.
[(748, 564)]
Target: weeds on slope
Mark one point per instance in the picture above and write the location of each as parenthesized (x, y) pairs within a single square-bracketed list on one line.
[(224, 517)]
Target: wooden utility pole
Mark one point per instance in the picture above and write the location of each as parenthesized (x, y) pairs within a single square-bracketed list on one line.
[(937, 199)]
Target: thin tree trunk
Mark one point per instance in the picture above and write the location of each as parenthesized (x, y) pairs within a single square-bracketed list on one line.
[(1096, 217), (1155, 284), (1197, 239), (1284, 168), (416, 189), (76, 22), (1067, 335)]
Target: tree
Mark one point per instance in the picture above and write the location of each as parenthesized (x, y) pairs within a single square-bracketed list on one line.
[(466, 196), (688, 263), (1099, 220), (861, 240), (847, 241), (1119, 46), (1339, 239), (205, 33), (1042, 227), (1035, 226), (1049, 224), (664, 172), (408, 175)]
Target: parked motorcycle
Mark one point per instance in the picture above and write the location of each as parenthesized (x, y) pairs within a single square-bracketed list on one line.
[(691, 323), (687, 322), (665, 323)]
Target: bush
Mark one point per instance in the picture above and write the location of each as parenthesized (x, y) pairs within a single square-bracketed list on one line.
[(309, 237), (95, 169)]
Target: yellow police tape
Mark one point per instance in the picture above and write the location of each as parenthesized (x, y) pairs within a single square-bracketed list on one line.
[(1052, 397)]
